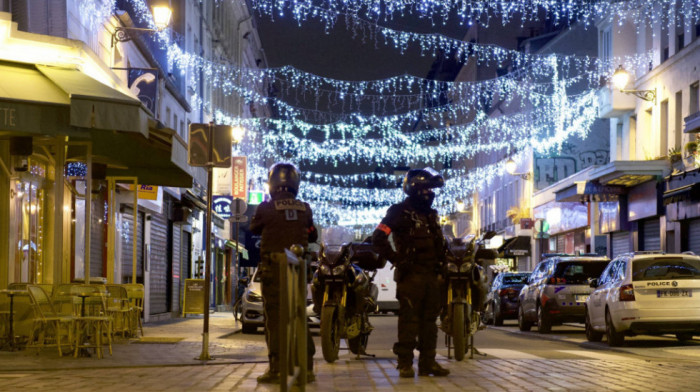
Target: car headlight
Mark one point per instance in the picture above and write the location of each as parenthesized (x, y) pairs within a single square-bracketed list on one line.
[(338, 269), (325, 270), (464, 267), (254, 297), (452, 267)]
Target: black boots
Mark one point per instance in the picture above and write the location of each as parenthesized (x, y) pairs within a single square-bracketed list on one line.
[(406, 368), (430, 367), (272, 374)]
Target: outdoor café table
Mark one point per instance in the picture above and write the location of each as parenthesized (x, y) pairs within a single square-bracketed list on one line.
[(83, 352), (11, 346)]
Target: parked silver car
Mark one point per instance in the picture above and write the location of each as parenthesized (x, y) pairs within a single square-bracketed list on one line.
[(557, 291), (252, 315)]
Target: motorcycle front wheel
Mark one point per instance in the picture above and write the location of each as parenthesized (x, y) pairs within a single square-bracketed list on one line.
[(459, 331), (330, 333)]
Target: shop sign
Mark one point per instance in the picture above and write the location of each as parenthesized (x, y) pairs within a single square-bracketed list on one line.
[(255, 197), (8, 118), (143, 82), (239, 181), (222, 206), (146, 192)]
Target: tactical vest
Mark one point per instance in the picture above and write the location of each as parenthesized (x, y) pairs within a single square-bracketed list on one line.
[(420, 243), (288, 221)]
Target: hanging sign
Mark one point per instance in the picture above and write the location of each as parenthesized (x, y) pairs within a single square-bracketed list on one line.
[(239, 187), (146, 192), (222, 206)]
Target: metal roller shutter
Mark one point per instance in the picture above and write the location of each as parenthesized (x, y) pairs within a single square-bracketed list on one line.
[(127, 236), (158, 264), (561, 244), (651, 234), (620, 243), (694, 236), (176, 263)]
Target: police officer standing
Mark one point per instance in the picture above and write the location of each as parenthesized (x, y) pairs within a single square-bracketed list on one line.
[(418, 258), (282, 222)]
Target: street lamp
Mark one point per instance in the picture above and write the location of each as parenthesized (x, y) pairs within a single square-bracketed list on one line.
[(621, 78), (237, 133), (511, 167), (162, 12)]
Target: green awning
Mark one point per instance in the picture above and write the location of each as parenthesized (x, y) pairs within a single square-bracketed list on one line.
[(48, 101), (241, 249), (95, 105)]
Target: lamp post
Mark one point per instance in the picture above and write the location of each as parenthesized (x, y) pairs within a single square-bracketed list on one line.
[(162, 12), (621, 78)]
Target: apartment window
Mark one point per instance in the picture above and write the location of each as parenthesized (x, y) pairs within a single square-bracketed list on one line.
[(183, 131), (678, 121), (174, 124), (166, 120), (697, 31), (606, 44), (694, 99), (680, 40), (664, 42)]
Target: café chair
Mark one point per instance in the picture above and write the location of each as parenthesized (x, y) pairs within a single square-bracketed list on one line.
[(93, 324), (50, 328), (135, 293), (119, 308)]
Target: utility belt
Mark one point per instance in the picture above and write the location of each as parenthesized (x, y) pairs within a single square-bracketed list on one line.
[(424, 267)]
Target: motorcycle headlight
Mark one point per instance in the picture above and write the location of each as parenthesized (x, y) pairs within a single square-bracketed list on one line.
[(464, 267), (338, 269), (325, 270), (254, 297), (452, 267)]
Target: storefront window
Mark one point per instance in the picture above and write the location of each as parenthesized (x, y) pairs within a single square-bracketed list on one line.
[(28, 211)]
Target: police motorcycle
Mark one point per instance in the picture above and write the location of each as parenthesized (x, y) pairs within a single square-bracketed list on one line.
[(465, 292), (344, 294)]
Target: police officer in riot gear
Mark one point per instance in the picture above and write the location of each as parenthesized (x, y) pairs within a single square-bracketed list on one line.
[(282, 222), (420, 252)]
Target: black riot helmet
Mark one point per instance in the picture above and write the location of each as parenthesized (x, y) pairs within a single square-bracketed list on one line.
[(284, 177), (418, 184), (421, 179)]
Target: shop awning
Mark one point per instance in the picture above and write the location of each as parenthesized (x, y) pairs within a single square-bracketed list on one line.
[(515, 247), (688, 192), (630, 173), (160, 159), (241, 249), (43, 100)]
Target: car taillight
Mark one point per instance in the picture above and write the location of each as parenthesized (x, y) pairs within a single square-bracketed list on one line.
[(627, 293), (508, 292), (554, 280)]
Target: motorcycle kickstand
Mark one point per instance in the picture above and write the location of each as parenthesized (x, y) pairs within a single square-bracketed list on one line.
[(448, 342), (474, 349)]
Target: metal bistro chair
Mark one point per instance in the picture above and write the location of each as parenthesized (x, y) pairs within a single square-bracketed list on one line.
[(93, 324), (135, 293), (119, 308), (50, 327)]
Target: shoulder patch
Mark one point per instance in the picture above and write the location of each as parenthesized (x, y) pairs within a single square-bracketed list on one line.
[(290, 204)]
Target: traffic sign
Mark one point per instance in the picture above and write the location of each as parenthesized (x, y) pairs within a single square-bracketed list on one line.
[(239, 218), (239, 206)]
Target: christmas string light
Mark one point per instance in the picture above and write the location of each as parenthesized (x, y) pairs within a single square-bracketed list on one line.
[(560, 12)]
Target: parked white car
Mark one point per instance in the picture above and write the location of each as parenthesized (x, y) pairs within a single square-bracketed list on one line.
[(649, 293)]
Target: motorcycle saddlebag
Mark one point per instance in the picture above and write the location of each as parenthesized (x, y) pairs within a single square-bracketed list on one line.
[(480, 287), (362, 254)]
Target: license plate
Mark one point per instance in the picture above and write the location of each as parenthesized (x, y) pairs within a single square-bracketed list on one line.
[(581, 298), (674, 293)]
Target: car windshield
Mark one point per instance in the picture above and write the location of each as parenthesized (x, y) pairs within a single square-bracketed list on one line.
[(578, 272), (666, 268), (515, 279)]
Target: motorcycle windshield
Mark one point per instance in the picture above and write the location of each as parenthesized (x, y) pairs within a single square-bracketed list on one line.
[(332, 253), (336, 236)]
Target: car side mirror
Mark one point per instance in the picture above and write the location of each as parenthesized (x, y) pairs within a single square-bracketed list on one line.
[(593, 282)]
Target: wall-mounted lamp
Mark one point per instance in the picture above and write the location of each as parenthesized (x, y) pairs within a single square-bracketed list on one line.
[(161, 18), (237, 133), (511, 167), (621, 78)]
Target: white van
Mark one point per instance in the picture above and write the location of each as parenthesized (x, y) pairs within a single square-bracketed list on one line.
[(386, 300)]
